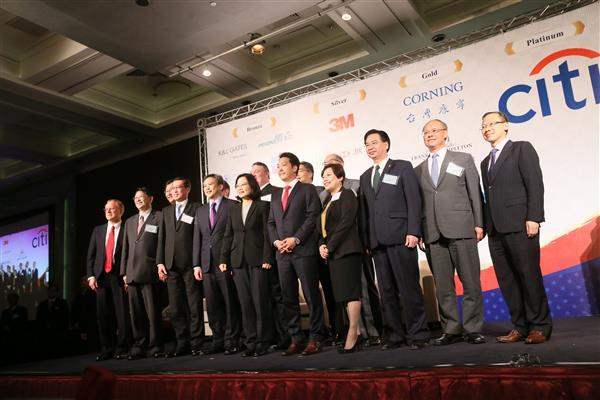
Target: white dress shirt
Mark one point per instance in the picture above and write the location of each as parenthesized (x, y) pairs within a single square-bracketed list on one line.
[(441, 154), (382, 165), (183, 204)]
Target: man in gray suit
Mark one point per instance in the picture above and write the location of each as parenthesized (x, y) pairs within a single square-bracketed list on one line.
[(452, 226)]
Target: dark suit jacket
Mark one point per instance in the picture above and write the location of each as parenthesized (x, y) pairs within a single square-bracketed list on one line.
[(247, 242), (299, 219), (395, 210), (268, 190), (96, 250), (175, 239), (514, 189), (341, 226), (138, 261), (208, 242), (452, 208)]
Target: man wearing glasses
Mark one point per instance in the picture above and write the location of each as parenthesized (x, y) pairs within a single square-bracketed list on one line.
[(452, 227), (390, 212), (103, 271), (514, 209)]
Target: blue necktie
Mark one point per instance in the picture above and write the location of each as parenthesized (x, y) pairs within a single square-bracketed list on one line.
[(492, 158), (434, 169), (178, 214)]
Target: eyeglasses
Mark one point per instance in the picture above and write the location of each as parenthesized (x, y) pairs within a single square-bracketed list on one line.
[(239, 185), (433, 131), (491, 125), (111, 209)]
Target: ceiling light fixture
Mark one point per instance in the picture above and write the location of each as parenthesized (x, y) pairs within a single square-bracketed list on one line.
[(346, 16), (213, 3), (206, 72), (259, 47), (142, 3)]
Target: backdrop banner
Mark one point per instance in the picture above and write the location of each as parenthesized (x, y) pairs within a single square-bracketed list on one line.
[(544, 76)]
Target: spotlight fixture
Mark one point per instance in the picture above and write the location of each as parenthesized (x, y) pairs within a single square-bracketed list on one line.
[(206, 72), (257, 48), (212, 4), (142, 3), (346, 16), (438, 38)]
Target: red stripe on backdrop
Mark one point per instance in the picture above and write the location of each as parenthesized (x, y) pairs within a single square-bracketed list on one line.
[(572, 249)]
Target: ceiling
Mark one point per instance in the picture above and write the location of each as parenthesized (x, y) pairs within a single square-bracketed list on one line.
[(86, 82)]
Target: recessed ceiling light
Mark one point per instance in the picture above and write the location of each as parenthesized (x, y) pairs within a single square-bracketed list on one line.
[(142, 3), (258, 48), (346, 16), (213, 3), (206, 73)]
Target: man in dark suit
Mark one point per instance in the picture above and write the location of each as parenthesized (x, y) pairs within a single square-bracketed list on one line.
[(390, 212), (174, 262), (221, 300), (514, 209), (138, 268), (292, 222), (452, 226), (103, 262), (282, 340)]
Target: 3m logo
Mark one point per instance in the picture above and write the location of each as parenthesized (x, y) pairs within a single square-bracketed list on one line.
[(341, 123)]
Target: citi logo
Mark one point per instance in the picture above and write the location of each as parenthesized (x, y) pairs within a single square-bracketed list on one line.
[(563, 78)]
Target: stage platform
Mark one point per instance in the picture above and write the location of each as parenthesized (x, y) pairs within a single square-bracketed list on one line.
[(569, 367)]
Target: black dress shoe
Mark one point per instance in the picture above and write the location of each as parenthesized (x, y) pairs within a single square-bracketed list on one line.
[(212, 350), (260, 351), (475, 338), (136, 356), (357, 346), (418, 344), (180, 352), (232, 350), (391, 345), (249, 352), (281, 345), (121, 356), (446, 339), (105, 355)]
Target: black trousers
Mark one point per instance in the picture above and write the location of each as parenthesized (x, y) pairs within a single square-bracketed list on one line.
[(185, 306), (398, 277), (305, 269), (223, 307), (113, 313), (334, 310), (280, 333), (252, 286), (516, 261), (145, 316)]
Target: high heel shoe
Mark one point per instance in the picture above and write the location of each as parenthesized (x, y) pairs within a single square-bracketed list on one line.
[(357, 346)]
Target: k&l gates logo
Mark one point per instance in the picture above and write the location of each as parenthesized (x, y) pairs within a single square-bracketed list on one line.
[(563, 78)]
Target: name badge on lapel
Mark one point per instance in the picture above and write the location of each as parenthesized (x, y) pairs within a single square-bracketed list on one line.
[(186, 218), (151, 228), (266, 197), (390, 179), (454, 169)]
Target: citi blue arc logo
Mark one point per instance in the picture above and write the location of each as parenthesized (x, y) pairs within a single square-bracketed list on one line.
[(563, 77)]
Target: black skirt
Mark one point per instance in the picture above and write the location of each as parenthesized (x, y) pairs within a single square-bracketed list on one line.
[(345, 275)]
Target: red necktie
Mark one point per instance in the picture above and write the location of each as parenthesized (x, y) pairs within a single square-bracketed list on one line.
[(110, 246), (140, 224), (284, 198)]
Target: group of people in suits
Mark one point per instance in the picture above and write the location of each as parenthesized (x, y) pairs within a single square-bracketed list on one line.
[(247, 258)]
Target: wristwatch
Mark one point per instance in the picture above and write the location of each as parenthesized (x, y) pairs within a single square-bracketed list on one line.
[(297, 241)]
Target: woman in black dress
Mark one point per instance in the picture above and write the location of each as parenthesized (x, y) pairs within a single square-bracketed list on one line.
[(247, 249), (340, 245)]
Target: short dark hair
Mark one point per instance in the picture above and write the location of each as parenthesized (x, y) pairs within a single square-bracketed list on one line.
[(337, 169), (294, 160), (261, 164), (168, 182), (308, 166), (382, 134), (254, 187), (145, 190), (219, 178), (498, 113), (226, 185), (186, 182)]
